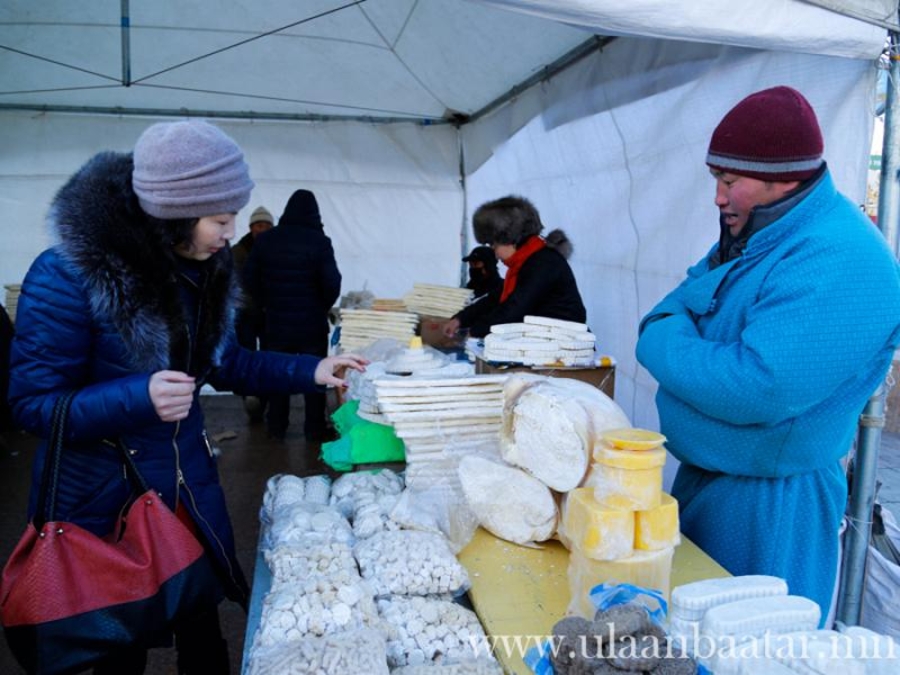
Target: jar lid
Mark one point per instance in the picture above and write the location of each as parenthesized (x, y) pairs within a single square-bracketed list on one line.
[(630, 459), (631, 438)]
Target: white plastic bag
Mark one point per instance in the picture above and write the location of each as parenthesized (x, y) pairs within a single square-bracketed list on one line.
[(881, 595)]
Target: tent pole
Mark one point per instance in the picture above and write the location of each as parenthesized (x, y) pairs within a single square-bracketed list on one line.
[(862, 500), (464, 231), (889, 188), (126, 42), (871, 422)]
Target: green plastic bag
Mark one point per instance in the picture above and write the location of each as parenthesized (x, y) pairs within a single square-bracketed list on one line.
[(361, 442)]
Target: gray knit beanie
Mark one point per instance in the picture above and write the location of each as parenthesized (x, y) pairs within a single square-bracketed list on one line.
[(189, 169), (262, 215)]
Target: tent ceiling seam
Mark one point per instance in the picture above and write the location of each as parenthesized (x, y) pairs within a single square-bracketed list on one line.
[(391, 47), (252, 39), (850, 14)]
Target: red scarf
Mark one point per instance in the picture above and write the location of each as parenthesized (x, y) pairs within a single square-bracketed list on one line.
[(516, 260)]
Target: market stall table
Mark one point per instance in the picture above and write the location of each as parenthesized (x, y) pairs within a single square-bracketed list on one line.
[(601, 375), (519, 592)]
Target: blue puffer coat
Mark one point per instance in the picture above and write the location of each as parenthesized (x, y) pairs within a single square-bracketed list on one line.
[(764, 364), (99, 313)]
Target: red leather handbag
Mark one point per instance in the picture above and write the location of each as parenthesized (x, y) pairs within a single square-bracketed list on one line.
[(69, 598)]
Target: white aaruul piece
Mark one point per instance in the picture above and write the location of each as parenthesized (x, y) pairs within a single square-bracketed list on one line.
[(812, 652), (468, 666), (440, 419), (423, 630), (361, 327), (691, 601), (407, 562), (507, 501), (294, 564), (318, 605), (345, 653), (415, 359), (435, 300), (540, 341), (741, 621), (368, 499), (550, 426)]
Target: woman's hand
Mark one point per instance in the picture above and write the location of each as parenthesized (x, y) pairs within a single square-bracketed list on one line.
[(172, 393), (325, 371), (451, 328)]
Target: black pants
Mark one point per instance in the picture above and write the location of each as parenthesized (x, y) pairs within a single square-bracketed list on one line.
[(278, 413), (200, 647)]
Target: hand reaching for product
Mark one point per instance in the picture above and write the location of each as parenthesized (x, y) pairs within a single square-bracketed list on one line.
[(325, 371), (172, 393)]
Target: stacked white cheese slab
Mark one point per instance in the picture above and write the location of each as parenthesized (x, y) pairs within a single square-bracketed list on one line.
[(440, 420), (435, 300), (361, 327), (12, 300), (389, 305), (541, 341), (414, 360)]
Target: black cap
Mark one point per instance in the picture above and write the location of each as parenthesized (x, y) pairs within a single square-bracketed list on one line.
[(483, 254)]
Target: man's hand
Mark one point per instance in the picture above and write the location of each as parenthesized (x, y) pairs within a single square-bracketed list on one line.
[(172, 393), (325, 371), (451, 328)]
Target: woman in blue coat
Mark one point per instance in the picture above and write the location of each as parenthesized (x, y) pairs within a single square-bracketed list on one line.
[(132, 310)]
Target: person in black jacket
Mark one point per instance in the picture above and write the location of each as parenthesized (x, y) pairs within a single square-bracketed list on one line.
[(538, 282), (250, 323), (292, 277), (483, 274)]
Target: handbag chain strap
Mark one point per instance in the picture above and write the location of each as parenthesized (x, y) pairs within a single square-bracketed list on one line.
[(46, 502)]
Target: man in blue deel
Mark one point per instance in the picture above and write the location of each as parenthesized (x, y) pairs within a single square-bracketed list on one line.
[(767, 352)]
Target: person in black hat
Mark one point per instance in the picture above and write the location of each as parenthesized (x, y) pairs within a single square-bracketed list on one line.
[(483, 274)]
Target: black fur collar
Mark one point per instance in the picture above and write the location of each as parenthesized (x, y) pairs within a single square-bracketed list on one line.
[(130, 275)]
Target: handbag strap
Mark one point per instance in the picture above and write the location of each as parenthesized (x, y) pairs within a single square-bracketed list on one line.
[(46, 501)]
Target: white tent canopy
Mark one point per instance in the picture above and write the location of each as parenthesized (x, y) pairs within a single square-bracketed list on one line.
[(404, 115)]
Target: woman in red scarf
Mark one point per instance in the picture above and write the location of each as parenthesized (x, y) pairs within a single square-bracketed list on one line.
[(538, 282)]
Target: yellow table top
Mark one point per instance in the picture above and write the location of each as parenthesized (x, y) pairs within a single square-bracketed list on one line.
[(522, 591)]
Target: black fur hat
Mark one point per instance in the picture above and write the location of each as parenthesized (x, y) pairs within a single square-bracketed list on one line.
[(508, 220)]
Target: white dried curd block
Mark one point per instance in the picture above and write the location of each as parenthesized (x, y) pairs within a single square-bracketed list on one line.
[(410, 562), (507, 501), (824, 652), (347, 653), (754, 617), (763, 666), (425, 630), (482, 666), (508, 328), (555, 323), (690, 601), (879, 652), (550, 426)]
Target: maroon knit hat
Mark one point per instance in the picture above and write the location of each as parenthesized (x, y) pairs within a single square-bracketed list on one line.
[(772, 135)]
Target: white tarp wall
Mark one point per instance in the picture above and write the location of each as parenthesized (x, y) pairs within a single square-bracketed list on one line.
[(617, 161), (389, 195)]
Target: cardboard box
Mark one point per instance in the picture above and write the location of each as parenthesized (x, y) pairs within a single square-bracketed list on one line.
[(602, 377)]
